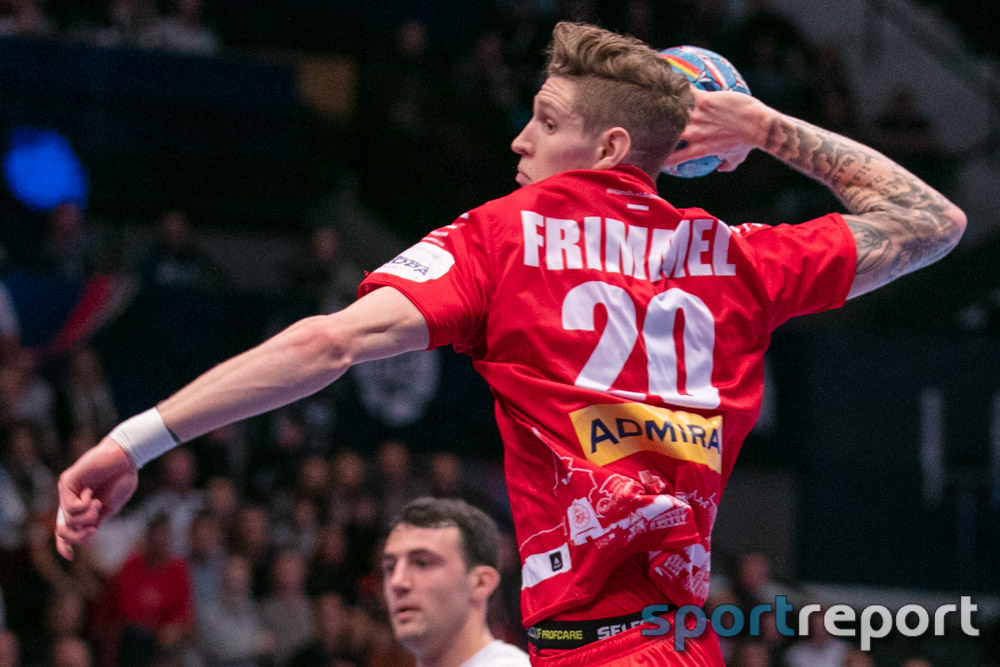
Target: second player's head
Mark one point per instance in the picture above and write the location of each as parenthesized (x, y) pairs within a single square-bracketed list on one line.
[(440, 568)]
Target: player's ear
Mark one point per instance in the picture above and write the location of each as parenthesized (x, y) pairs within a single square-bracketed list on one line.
[(485, 580), (614, 146)]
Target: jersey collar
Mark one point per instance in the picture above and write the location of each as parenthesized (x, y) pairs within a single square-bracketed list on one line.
[(638, 174)]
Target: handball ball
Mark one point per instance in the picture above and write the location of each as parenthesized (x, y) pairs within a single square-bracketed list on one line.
[(707, 70)]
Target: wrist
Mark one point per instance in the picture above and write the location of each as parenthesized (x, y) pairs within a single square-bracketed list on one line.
[(144, 437), (763, 119)]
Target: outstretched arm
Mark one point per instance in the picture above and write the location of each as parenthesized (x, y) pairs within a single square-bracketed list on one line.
[(899, 223), (295, 363)]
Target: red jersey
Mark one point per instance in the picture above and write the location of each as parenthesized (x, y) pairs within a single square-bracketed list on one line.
[(623, 340)]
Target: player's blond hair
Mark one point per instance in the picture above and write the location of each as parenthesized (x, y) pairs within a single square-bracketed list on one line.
[(622, 82)]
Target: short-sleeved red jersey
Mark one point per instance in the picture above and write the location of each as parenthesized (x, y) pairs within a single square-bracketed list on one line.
[(623, 340)]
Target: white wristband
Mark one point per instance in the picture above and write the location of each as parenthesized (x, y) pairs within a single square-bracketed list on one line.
[(144, 437)]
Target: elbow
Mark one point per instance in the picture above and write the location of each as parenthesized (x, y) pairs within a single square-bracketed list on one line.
[(327, 347), (959, 222), (952, 226)]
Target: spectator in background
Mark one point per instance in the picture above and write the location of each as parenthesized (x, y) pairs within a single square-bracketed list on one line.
[(176, 498), (24, 18), (10, 326), (299, 529), (10, 649), (313, 479), (327, 646), (222, 500), (753, 653), (177, 261), (838, 103), (80, 438), (394, 479), (71, 652), (328, 570), (84, 397), (206, 558), (446, 481), (286, 612), (754, 584), (773, 55), (26, 396), (320, 276), (908, 136), (64, 619), (128, 23), (504, 613), (402, 98), (279, 456), (349, 478), (32, 479), (151, 597), (641, 20), (66, 251), (440, 569), (224, 453), (53, 576), (859, 658), (486, 79), (230, 633), (819, 649), (485, 89), (13, 518), (183, 31), (252, 541)]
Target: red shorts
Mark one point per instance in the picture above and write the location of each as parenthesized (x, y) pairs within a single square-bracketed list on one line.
[(633, 648)]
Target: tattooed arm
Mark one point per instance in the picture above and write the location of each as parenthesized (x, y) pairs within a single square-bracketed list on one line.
[(899, 223)]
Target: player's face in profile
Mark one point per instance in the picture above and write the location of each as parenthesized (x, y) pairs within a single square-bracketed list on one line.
[(554, 139), (427, 586)]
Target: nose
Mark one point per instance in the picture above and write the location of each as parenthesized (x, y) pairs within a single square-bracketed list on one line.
[(398, 579), (520, 144)]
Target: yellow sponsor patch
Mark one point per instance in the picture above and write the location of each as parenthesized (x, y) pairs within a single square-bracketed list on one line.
[(608, 433)]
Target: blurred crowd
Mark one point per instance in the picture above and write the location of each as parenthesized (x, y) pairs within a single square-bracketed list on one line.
[(443, 87), (208, 568)]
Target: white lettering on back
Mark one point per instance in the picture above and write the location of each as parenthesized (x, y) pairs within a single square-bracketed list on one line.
[(605, 244), (530, 222), (562, 236)]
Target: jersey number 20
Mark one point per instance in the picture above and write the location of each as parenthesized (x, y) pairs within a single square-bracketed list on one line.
[(622, 331)]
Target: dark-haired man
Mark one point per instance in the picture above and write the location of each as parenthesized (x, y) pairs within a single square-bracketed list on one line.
[(440, 569)]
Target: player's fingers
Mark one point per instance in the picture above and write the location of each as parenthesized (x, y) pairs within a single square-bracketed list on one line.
[(75, 535), (731, 161), (64, 548), (71, 502), (91, 516)]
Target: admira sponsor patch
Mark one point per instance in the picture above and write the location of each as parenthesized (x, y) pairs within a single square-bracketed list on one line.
[(420, 263), (611, 432)]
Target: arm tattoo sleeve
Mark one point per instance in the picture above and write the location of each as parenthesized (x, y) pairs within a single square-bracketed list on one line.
[(899, 224)]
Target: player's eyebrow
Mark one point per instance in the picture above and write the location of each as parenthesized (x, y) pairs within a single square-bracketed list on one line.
[(392, 558), (545, 105)]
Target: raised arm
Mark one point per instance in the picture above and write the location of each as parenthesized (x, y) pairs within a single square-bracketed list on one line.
[(295, 363), (899, 223)]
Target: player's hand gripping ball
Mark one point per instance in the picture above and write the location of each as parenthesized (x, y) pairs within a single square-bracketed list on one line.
[(708, 71)]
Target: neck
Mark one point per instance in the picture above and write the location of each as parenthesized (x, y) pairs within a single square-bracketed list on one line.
[(473, 637)]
